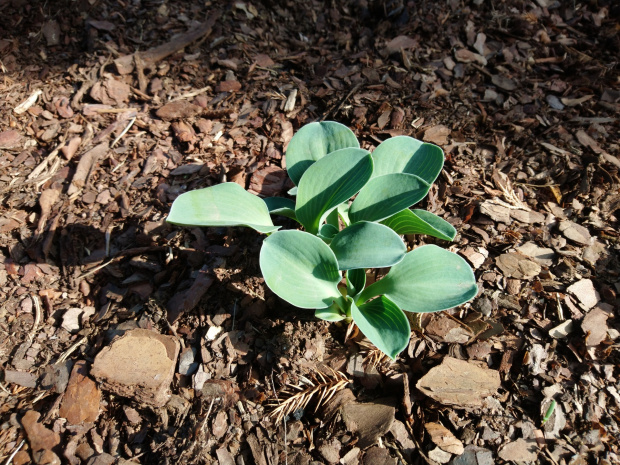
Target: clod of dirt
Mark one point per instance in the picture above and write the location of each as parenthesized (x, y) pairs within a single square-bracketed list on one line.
[(41, 439), (81, 400), (177, 110), (370, 421), (460, 383), (140, 365), (521, 450)]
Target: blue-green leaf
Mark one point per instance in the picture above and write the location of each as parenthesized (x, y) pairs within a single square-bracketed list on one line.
[(329, 182), (281, 206), (428, 279), (420, 222), (404, 154), (331, 313), (386, 195), (327, 232), (384, 324), (300, 268), (356, 280), (312, 142), (226, 204), (367, 245)]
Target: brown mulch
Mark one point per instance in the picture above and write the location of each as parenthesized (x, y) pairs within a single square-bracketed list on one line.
[(111, 109)]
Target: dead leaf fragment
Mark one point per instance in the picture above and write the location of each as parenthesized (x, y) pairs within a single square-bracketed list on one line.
[(444, 438), (460, 383)]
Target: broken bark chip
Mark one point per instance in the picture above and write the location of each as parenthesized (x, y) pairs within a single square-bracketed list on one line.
[(139, 364), (459, 383)]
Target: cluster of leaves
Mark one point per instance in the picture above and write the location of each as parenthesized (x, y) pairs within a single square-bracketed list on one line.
[(328, 167)]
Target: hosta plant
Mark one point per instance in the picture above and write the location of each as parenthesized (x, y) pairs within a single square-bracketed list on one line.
[(353, 206)]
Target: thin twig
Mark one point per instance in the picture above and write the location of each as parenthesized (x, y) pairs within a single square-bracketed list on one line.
[(273, 386), (10, 459), (129, 125)]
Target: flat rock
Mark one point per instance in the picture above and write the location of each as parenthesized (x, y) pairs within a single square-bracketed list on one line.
[(460, 383), (81, 400), (585, 293), (518, 266), (177, 110), (369, 421), (140, 365), (521, 450)]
